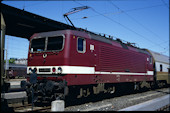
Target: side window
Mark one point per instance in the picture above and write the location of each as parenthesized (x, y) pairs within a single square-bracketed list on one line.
[(81, 45), (150, 59), (160, 67)]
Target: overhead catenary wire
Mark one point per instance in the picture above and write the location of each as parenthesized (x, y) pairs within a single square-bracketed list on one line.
[(160, 44), (136, 20), (142, 8), (119, 12), (165, 4), (129, 29)]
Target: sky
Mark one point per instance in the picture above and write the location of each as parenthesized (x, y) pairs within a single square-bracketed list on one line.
[(144, 22)]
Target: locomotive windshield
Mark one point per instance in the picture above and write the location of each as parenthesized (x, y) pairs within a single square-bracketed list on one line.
[(52, 43), (55, 43), (38, 44)]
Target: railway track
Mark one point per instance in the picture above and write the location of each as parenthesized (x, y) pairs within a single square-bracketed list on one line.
[(103, 104), (120, 101), (29, 108)]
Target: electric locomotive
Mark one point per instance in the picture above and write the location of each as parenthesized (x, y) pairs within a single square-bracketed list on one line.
[(81, 63)]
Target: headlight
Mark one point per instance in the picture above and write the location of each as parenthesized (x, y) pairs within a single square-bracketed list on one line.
[(32, 70), (29, 70), (59, 70)]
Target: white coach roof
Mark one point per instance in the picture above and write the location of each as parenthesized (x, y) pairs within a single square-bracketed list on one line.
[(159, 57)]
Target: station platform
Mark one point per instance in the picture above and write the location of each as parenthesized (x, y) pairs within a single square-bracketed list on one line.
[(15, 93), (151, 105)]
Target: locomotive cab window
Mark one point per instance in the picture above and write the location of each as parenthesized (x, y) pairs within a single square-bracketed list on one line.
[(38, 45), (81, 45), (55, 43)]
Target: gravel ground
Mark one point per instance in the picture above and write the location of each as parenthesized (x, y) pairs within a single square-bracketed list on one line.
[(119, 102)]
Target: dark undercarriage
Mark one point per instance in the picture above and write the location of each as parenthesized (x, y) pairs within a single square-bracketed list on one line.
[(46, 90)]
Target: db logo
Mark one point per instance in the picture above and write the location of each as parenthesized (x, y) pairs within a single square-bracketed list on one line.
[(44, 55)]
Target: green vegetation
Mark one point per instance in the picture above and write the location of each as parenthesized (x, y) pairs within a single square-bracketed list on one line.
[(11, 60)]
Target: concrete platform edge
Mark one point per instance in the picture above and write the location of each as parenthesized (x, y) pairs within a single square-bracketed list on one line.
[(151, 105)]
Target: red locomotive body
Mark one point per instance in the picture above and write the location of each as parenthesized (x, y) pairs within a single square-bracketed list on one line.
[(81, 58)]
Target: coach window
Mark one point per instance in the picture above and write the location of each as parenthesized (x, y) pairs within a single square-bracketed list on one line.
[(161, 68), (81, 45)]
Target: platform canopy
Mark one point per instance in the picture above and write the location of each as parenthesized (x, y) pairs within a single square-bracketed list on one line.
[(24, 24)]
